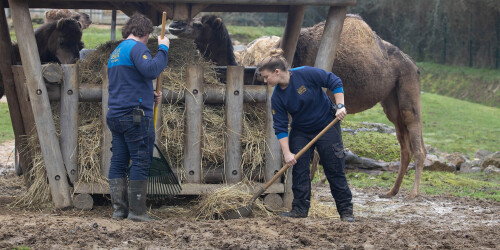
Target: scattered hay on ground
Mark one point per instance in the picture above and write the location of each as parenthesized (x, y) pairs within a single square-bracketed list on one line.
[(227, 199)]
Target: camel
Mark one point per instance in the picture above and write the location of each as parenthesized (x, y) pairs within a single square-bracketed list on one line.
[(372, 71)]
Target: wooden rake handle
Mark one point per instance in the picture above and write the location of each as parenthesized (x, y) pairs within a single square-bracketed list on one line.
[(160, 76), (297, 156)]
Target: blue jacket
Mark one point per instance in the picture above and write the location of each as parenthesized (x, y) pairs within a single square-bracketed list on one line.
[(305, 100), (131, 69)]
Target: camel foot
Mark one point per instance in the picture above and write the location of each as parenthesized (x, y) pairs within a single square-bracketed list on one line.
[(387, 195), (412, 196)]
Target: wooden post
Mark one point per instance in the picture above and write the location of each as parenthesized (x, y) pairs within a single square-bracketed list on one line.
[(288, 195), (106, 133), (193, 123), (51, 150), (292, 31), (234, 123), (273, 149), (113, 25), (10, 88), (330, 38), (69, 120)]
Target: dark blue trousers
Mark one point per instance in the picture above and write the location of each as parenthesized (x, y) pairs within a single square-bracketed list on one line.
[(331, 152), (131, 142)]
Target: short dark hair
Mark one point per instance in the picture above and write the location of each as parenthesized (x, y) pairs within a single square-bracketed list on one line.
[(138, 25)]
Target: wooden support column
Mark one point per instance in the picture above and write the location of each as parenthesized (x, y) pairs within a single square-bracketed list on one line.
[(106, 133), (51, 150), (10, 88), (113, 25), (330, 38), (193, 123), (273, 149), (234, 124), (69, 119), (292, 31)]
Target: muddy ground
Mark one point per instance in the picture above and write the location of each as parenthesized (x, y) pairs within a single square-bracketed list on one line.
[(426, 222)]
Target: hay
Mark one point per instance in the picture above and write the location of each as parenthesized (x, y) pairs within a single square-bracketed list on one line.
[(226, 199)]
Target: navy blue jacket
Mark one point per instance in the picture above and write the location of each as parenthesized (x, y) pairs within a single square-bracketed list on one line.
[(131, 69), (305, 100)]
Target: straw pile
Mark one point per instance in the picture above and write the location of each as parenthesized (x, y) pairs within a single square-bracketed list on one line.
[(227, 199)]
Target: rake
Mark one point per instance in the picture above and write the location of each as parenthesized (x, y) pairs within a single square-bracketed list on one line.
[(162, 181)]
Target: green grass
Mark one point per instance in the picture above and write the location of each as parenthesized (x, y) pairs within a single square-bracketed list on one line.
[(477, 185), (449, 124), (6, 132), (462, 82)]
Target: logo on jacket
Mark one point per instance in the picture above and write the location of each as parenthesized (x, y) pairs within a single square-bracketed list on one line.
[(115, 56), (145, 56), (301, 90), (272, 111)]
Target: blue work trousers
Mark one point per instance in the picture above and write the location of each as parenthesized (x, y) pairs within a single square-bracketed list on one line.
[(331, 152), (131, 142)]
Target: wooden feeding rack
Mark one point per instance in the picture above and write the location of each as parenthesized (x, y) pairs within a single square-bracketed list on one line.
[(28, 95)]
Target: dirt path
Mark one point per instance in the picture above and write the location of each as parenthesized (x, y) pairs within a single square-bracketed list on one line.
[(427, 222)]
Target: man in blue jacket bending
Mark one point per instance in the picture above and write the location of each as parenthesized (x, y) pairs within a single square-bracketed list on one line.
[(131, 69)]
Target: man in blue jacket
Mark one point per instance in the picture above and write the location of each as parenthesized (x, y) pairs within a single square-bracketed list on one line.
[(131, 69), (298, 92)]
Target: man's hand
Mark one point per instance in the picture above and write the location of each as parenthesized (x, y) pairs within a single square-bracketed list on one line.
[(341, 113), (157, 97), (165, 41), (290, 159)]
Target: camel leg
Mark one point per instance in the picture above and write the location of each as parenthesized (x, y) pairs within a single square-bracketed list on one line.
[(392, 111), (410, 108)]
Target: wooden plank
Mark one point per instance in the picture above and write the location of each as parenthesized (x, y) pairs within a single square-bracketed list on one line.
[(24, 100), (234, 124), (288, 195), (106, 133), (255, 2), (51, 150), (330, 38), (273, 149), (193, 123), (187, 188), (69, 119), (292, 31), (10, 87)]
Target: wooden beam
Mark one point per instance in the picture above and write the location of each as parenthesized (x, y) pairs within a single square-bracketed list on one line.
[(213, 94), (106, 133), (69, 120), (273, 149), (193, 123), (51, 150), (10, 88), (161, 7), (330, 38), (187, 188), (234, 123), (292, 31), (236, 2), (113, 25)]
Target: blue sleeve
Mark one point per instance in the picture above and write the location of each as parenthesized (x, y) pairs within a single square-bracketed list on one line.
[(148, 66), (328, 80), (280, 118)]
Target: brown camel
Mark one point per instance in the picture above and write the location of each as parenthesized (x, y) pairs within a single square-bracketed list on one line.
[(372, 71)]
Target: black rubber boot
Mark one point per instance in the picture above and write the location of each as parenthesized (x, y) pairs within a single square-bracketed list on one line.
[(118, 190), (137, 191), (347, 217), (294, 214)]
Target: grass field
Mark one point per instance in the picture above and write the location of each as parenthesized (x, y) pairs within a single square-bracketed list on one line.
[(449, 124)]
